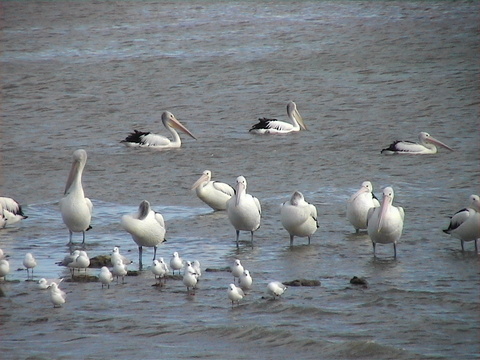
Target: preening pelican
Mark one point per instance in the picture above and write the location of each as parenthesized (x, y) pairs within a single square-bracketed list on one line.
[(76, 209), (385, 223), (148, 139), (299, 217), (147, 228), (10, 212), (426, 145), (244, 210), (273, 126), (359, 204), (465, 224), (213, 193)]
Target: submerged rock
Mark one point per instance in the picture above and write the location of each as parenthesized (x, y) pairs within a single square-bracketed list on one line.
[(100, 260), (302, 282), (358, 281)]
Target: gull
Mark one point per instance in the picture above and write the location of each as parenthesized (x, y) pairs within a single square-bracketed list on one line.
[(235, 294), (29, 263), (117, 256), (190, 277), (237, 269), (176, 262), (4, 268), (196, 266), (276, 288), (359, 204), (82, 261), (159, 268), (119, 269), (105, 277), (245, 280), (44, 284), (57, 296)]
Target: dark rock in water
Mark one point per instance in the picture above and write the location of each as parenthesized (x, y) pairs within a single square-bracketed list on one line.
[(132, 273), (99, 261), (227, 269), (302, 282), (82, 278), (359, 281)]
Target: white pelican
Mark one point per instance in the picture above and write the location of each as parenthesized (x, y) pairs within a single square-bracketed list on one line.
[(235, 294), (10, 212), (299, 217), (426, 146), (213, 193), (244, 210), (105, 277), (276, 288), (29, 262), (465, 224), (57, 295), (385, 223), (359, 204), (148, 139), (273, 126), (76, 209), (147, 228)]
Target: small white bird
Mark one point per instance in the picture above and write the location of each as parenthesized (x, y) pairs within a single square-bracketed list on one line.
[(276, 288), (213, 193), (82, 261), (120, 269), (244, 210), (146, 227), (190, 277), (299, 217), (465, 224), (235, 294), (10, 212), (4, 268), (176, 262), (105, 277), (197, 267), (237, 269), (29, 262), (245, 280), (359, 204), (385, 223), (57, 296), (44, 284), (117, 256), (159, 269)]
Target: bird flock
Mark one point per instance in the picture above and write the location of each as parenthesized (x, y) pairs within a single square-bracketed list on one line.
[(382, 221)]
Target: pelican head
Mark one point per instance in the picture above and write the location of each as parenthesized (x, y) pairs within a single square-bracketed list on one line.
[(143, 209), (79, 161), (475, 201), (386, 203), (170, 120), (367, 187), (297, 197), (295, 115), (425, 138), (206, 176), (241, 188)]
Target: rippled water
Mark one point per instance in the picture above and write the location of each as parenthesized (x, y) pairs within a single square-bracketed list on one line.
[(84, 74)]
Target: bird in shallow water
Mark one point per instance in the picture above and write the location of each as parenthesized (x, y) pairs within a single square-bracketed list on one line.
[(465, 223), (359, 204), (244, 210), (57, 296), (213, 193), (426, 145), (146, 227), (76, 209), (385, 223), (155, 141), (105, 277), (276, 288), (29, 262), (299, 217), (235, 294), (11, 212), (274, 126)]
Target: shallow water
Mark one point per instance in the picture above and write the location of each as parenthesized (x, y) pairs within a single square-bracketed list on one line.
[(84, 74)]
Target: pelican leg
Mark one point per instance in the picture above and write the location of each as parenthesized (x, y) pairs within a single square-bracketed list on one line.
[(476, 250), (83, 242), (309, 240), (251, 238), (154, 252), (462, 245), (394, 250), (238, 234), (140, 250), (291, 240), (70, 237), (374, 249)]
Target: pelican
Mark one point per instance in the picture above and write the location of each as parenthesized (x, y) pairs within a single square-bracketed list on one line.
[(359, 204), (385, 223), (10, 212), (273, 126), (76, 209), (299, 217), (465, 224), (244, 210), (213, 193), (426, 145), (147, 228), (148, 139)]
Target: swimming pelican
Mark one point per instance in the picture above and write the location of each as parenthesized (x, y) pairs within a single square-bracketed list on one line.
[(299, 217), (10, 212), (76, 209), (213, 193), (426, 145), (244, 210), (147, 228), (359, 204), (385, 223), (273, 126), (465, 224), (148, 139)]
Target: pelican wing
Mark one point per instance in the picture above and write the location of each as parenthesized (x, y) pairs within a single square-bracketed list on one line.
[(271, 124), (458, 219), (146, 139), (11, 206), (402, 146), (225, 188), (159, 219), (257, 203)]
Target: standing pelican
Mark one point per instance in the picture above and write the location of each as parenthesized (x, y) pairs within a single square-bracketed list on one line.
[(385, 223), (426, 146), (147, 139), (10, 212), (299, 217), (244, 211), (76, 209), (465, 224), (359, 204), (213, 193), (273, 126), (146, 227)]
